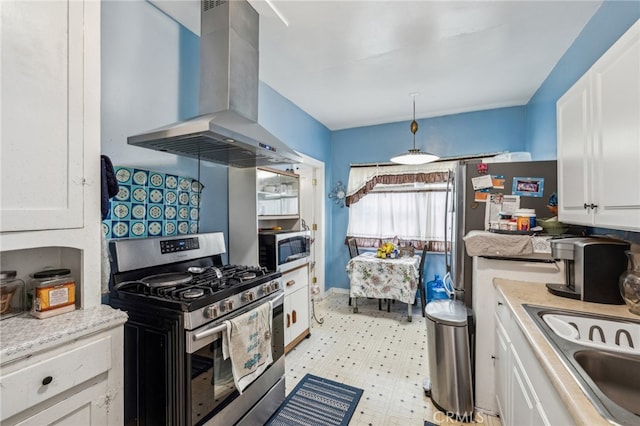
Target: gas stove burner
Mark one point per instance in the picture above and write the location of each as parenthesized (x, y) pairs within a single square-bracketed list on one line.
[(246, 276), (193, 293)]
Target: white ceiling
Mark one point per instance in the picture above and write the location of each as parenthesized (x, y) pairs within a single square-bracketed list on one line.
[(355, 63)]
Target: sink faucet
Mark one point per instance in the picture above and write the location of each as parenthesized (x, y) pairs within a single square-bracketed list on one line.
[(627, 335), (596, 327)]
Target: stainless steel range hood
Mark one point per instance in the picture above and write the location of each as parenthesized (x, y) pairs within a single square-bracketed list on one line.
[(227, 129)]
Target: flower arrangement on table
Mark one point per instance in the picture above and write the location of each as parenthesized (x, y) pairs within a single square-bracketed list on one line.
[(386, 250)]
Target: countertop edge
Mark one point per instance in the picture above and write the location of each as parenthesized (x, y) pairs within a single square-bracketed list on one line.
[(25, 335), (575, 400)]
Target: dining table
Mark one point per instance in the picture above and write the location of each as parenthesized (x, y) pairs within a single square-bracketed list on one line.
[(383, 278)]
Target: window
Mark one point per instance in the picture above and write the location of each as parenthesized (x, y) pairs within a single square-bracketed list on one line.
[(402, 206), (401, 217)]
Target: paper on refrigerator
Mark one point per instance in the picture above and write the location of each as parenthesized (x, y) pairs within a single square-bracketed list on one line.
[(499, 203)]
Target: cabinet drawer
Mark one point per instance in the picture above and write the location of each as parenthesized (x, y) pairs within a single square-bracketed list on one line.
[(296, 279), (32, 385)]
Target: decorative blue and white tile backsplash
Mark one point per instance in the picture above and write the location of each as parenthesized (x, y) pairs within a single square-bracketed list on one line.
[(152, 204)]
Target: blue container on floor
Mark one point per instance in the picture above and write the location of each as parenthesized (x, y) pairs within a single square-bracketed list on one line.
[(435, 290)]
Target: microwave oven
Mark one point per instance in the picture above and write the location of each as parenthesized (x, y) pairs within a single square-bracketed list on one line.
[(283, 251)]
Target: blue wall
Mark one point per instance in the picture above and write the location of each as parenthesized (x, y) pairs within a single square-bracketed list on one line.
[(611, 20), (150, 78), (454, 135)]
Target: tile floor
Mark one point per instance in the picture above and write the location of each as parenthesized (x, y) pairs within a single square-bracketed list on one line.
[(377, 351)]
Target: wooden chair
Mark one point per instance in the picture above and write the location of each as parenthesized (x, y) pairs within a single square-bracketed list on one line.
[(421, 283), (353, 247)]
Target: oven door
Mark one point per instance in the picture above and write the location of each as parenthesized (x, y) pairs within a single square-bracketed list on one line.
[(211, 392)]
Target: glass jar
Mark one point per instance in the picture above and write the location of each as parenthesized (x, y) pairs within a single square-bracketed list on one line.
[(12, 295), (630, 283), (52, 292)]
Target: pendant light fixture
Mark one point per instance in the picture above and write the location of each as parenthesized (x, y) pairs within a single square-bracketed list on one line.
[(414, 156)]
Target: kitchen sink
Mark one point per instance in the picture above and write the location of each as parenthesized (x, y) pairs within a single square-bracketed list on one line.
[(602, 353), (617, 376)]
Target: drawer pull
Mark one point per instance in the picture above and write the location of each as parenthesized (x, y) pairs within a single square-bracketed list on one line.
[(290, 283), (47, 380)]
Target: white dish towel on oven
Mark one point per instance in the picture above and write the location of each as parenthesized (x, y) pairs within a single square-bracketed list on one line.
[(247, 341)]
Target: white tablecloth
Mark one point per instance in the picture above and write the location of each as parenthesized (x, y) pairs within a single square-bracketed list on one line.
[(384, 278)]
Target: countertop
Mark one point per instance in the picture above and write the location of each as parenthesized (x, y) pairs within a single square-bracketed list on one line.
[(25, 335), (515, 294)]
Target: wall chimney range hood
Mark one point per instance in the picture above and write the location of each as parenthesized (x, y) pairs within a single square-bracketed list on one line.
[(227, 129)]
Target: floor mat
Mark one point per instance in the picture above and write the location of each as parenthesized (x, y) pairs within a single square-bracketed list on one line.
[(317, 401)]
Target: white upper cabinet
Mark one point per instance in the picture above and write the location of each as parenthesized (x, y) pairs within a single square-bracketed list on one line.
[(50, 139), (42, 115), (574, 153), (599, 141)]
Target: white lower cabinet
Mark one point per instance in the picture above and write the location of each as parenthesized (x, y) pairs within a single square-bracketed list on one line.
[(296, 306), (82, 408), (524, 393), (484, 308), (523, 406), (76, 384), (502, 369)]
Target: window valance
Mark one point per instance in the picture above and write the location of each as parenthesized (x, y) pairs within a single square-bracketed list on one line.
[(362, 179)]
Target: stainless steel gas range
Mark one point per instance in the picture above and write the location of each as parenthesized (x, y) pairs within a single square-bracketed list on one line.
[(178, 295)]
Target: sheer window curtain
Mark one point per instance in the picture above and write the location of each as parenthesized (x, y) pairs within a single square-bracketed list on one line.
[(399, 203), (416, 217)]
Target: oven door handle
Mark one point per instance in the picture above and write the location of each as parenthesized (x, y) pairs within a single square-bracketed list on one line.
[(276, 299), (222, 327), (217, 329)]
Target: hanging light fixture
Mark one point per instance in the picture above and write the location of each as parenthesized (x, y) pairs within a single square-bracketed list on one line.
[(414, 156)]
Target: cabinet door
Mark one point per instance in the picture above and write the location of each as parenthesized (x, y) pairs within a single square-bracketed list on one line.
[(522, 403), (574, 152), (502, 371), (616, 113), (296, 302), (299, 305), (42, 121)]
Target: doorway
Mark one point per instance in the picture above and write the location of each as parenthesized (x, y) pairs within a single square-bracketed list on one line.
[(312, 188)]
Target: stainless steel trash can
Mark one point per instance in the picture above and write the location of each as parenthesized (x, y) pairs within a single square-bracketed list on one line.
[(449, 351)]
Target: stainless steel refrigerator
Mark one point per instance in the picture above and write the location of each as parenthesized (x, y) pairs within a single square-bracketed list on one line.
[(468, 214)]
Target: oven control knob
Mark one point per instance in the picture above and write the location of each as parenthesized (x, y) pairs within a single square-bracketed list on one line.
[(266, 288), (248, 296), (275, 285), (228, 305), (212, 311)]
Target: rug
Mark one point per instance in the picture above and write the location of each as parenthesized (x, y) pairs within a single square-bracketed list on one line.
[(317, 401)]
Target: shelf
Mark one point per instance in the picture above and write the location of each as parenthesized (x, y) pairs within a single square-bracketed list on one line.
[(278, 216), (276, 195)]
